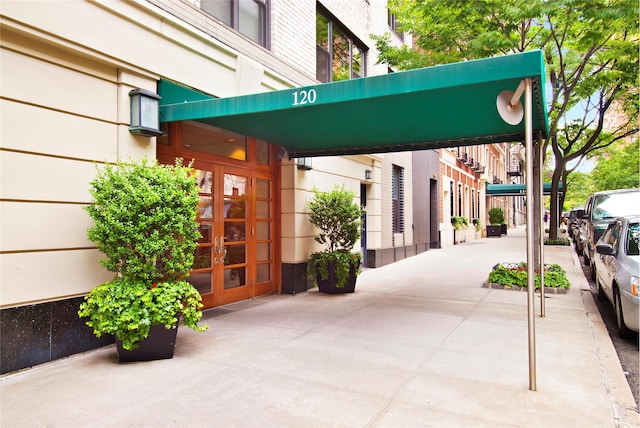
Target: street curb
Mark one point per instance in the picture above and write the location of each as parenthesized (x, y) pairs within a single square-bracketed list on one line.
[(623, 404)]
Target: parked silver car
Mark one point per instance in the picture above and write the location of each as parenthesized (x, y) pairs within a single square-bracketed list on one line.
[(599, 210), (617, 267)]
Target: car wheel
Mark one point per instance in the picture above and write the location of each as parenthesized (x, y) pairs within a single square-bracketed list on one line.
[(623, 331)]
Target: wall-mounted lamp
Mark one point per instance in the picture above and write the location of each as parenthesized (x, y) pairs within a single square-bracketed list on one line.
[(367, 174), (144, 113), (304, 163)]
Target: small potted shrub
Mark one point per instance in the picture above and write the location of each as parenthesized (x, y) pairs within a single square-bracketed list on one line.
[(460, 225), (496, 219), (145, 225), (337, 217)]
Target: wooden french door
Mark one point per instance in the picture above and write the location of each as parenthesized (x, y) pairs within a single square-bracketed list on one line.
[(234, 259)]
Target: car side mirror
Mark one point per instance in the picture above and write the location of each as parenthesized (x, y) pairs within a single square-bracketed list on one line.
[(605, 249), (580, 214)]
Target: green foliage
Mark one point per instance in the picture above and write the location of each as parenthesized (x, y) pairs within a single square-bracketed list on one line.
[(496, 216), (145, 224), (145, 219), (458, 30), (579, 187), (337, 218), (459, 222), (516, 275), (618, 168), (127, 308), (341, 261), (558, 241)]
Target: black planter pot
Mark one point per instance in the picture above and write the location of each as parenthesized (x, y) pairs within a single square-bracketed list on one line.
[(503, 229), (158, 345), (329, 285), (494, 231)]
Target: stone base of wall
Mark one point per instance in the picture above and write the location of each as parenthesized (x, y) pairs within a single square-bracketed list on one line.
[(294, 275), (384, 256), (36, 334)]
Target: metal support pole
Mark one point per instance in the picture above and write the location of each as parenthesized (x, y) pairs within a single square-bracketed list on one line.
[(540, 214), (531, 220)]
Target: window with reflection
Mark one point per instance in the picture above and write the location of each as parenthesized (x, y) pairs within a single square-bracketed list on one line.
[(248, 17), (205, 138), (394, 25), (339, 55), (397, 199), (263, 152), (200, 276)]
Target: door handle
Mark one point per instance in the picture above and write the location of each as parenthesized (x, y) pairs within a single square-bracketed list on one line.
[(222, 251)]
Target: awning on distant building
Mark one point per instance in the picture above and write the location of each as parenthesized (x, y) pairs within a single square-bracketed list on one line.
[(515, 189), (435, 107)]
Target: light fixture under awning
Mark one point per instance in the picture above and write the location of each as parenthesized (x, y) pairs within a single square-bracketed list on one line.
[(435, 107)]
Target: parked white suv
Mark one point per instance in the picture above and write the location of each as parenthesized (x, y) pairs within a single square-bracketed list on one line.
[(600, 209)]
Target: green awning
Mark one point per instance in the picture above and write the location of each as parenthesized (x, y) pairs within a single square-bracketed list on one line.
[(442, 106), (173, 93), (515, 189)]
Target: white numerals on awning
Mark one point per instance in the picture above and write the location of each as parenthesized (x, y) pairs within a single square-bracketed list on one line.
[(303, 97)]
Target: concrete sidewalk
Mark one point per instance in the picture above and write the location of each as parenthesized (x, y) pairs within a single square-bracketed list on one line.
[(420, 343)]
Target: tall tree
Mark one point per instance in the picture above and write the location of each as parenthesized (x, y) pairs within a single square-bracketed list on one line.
[(591, 52)]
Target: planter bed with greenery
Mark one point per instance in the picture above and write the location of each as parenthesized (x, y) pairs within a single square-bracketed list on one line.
[(513, 276), (562, 241)]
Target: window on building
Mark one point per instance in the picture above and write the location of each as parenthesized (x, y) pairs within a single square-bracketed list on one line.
[(397, 198), (473, 203), (459, 200), (248, 17), (451, 199), (339, 56), (394, 25)]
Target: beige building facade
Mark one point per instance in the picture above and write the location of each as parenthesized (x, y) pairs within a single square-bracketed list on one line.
[(66, 72)]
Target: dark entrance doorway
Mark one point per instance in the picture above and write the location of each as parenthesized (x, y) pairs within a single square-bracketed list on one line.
[(434, 216)]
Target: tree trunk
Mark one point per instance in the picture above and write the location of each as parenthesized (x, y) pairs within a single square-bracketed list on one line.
[(554, 211)]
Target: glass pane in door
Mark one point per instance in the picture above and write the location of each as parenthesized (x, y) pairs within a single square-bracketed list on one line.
[(235, 261), (201, 275), (263, 272), (201, 281)]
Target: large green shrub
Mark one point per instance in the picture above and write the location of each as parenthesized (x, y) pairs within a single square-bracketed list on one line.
[(145, 224), (496, 216), (337, 217), (145, 219)]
